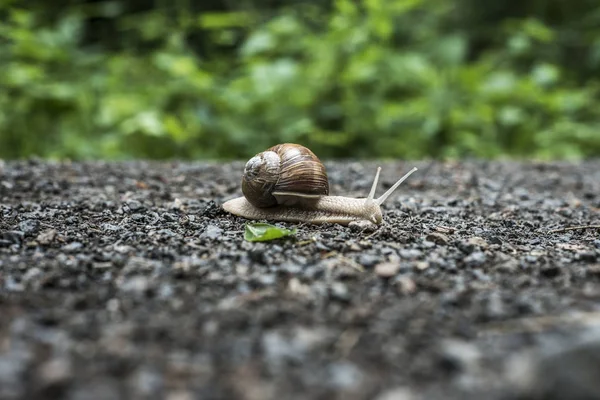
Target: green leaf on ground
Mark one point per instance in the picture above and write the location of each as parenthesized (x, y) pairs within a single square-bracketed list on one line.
[(261, 232)]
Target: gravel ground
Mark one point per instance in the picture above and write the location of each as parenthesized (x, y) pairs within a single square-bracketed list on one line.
[(127, 281)]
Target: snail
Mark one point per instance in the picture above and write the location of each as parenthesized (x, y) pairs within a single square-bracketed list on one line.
[(287, 182)]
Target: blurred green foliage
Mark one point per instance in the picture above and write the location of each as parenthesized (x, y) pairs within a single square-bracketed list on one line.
[(373, 78)]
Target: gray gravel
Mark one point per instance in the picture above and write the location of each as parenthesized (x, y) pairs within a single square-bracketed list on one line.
[(127, 281)]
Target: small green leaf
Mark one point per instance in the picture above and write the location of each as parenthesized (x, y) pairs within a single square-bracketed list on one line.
[(260, 232)]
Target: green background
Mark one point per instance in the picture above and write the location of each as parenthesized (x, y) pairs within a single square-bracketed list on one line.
[(226, 79)]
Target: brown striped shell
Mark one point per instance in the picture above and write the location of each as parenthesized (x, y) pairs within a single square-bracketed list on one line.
[(284, 174)]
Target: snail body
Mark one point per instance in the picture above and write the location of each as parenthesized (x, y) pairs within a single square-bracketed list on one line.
[(287, 182)]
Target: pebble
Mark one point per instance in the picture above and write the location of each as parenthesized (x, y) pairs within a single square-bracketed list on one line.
[(54, 372), (73, 246), (96, 389), (29, 226), (137, 284), (550, 271), (410, 254), (509, 265), (586, 256), (134, 205), (422, 265), (398, 393), (472, 244), (147, 383), (438, 238), (475, 259), (459, 356), (387, 269), (212, 232), (14, 237), (344, 375), (267, 279), (111, 227), (339, 291), (495, 240), (368, 260), (406, 285), (47, 236), (13, 364)]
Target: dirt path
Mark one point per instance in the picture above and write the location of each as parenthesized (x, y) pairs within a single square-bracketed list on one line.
[(126, 281)]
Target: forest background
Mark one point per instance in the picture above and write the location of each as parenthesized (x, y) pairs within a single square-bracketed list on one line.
[(359, 79)]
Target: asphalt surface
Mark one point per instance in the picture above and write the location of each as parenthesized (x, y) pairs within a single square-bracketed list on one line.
[(127, 281)]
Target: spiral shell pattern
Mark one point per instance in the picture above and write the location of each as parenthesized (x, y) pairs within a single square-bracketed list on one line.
[(286, 168)]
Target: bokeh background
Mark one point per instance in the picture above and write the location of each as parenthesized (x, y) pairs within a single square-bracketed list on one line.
[(224, 79)]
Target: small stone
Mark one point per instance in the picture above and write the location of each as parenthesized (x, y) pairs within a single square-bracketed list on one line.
[(180, 394), (344, 375), (111, 228), (399, 393), (550, 271), (473, 244), (594, 270), (134, 205), (570, 246), (29, 226), (177, 204), (478, 241), (410, 254), (46, 237), (475, 259), (267, 279), (355, 247), (438, 238), (123, 249), (495, 240), (531, 259), (136, 284), (137, 217), (14, 237), (427, 244), (340, 291), (459, 356), (31, 274), (55, 372), (510, 265), (387, 269), (95, 389), (368, 260), (212, 232), (74, 246), (422, 265), (495, 307), (586, 256), (291, 268), (362, 226), (406, 285), (146, 383)]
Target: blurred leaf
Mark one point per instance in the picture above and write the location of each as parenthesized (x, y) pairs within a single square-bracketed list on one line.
[(545, 74), (537, 30), (221, 20), (261, 232)]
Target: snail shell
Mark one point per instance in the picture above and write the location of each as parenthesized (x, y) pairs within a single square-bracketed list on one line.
[(287, 182), (285, 174)]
